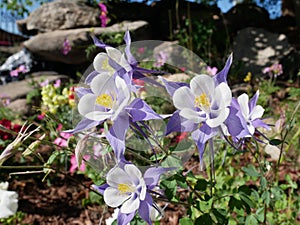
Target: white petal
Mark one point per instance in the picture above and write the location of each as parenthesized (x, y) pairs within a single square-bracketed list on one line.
[(243, 101), (257, 112), (183, 98), (224, 94), (219, 120), (86, 104), (134, 173), (124, 63), (143, 190), (191, 115), (203, 84), (117, 176), (114, 53), (98, 115), (251, 128), (113, 198), (103, 83), (100, 62), (130, 205)]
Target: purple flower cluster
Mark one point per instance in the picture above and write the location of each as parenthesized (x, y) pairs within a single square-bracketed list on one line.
[(103, 16)]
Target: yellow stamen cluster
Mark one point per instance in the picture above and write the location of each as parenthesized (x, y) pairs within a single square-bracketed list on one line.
[(202, 101), (125, 188), (105, 100)]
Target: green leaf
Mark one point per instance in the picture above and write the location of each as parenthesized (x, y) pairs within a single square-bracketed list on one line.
[(247, 200), (220, 215), (186, 221), (250, 171), (263, 183), (205, 219), (234, 203), (251, 220), (260, 214), (201, 185), (245, 189), (266, 197), (275, 142)]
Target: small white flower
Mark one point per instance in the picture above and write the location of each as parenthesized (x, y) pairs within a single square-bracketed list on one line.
[(8, 201), (204, 101), (126, 187)]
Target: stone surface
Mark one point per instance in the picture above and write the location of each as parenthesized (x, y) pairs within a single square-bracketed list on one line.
[(258, 48), (19, 106), (59, 15), (49, 46), (19, 89)]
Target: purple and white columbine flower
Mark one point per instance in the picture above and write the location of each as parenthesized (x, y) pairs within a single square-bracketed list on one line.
[(128, 189), (109, 99), (204, 103), (245, 116)]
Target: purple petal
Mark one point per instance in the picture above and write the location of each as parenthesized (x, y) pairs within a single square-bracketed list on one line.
[(253, 101), (99, 43), (177, 123), (124, 219), (152, 175), (222, 75), (201, 136), (91, 76), (172, 86), (236, 124), (130, 58), (116, 136), (145, 209), (81, 91), (259, 123), (100, 188), (138, 75), (84, 124), (141, 111)]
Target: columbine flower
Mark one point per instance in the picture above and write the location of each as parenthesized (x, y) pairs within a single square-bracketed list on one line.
[(245, 116), (8, 201), (66, 47), (128, 189), (203, 101)]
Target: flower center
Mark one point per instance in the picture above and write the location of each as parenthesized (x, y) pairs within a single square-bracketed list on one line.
[(105, 100), (125, 188), (106, 66), (202, 102)]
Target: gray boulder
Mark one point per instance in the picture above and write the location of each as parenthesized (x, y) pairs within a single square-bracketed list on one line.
[(49, 46), (258, 48), (59, 15)]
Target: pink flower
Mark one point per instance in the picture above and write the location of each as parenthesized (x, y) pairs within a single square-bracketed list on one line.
[(41, 116), (161, 59), (20, 69), (274, 70), (62, 141), (66, 47), (44, 83), (57, 83), (74, 165), (211, 70), (181, 137), (103, 16)]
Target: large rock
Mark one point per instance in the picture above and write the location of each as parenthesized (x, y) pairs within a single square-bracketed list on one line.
[(258, 48), (49, 46), (59, 15)]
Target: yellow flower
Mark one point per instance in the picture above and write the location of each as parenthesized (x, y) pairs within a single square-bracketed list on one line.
[(248, 77)]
